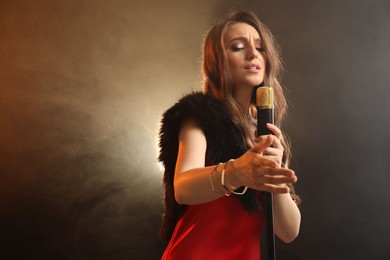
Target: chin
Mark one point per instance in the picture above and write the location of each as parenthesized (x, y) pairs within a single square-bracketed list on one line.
[(250, 82), (255, 83)]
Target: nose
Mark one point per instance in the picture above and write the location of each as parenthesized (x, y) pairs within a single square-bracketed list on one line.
[(252, 53)]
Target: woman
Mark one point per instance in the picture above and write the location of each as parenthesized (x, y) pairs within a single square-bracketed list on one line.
[(215, 166)]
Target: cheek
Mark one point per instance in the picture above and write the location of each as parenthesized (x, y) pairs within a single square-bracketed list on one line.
[(264, 60), (232, 62)]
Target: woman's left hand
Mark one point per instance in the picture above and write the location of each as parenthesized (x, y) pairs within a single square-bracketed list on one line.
[(275, 150)]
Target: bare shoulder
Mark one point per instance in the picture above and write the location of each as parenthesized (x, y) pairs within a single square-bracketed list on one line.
[(190, 130), (192, 146)]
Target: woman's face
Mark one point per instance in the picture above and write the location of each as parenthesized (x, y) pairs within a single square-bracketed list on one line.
[(245, 55)]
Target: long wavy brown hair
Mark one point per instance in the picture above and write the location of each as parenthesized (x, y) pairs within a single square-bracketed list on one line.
[(217, 76), (218, 83), (218, 80)]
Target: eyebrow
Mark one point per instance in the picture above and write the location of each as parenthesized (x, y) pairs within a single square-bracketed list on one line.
[(243, 38)]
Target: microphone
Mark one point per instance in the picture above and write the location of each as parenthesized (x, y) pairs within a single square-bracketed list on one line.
[(265, 114), (265, 109)]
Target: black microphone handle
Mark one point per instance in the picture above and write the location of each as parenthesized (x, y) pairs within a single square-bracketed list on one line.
[(264, 116)]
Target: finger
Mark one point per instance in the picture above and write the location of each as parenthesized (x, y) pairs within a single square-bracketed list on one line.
[(279, 179), (276, 141), (260, 138), (275, 130), (276, 149), (273, 151), (262, 161), (273, 188), (278, 171), (261, 146), (276, 159)]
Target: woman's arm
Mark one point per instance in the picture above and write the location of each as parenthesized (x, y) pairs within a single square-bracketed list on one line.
[(192, 182), (287, 217)]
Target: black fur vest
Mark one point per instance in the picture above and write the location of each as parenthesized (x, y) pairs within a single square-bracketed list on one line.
[(224, 142)]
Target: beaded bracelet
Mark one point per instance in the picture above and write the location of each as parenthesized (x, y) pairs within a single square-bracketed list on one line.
[(223, 180)]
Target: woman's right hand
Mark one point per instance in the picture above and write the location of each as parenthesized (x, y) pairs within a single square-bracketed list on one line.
[(258, 172)]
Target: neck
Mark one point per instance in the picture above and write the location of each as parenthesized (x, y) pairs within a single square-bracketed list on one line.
[(243, 97)]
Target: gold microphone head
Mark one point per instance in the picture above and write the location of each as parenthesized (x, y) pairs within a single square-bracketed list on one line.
[(265, 97)]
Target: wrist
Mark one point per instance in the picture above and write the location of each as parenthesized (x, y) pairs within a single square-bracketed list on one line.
[(230, 185), (217, 185), (231, 181)]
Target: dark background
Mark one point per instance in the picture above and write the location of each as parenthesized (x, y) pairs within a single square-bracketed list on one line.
[(83, 85)]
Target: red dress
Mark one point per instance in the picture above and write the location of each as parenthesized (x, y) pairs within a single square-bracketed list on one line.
[(220, 229)]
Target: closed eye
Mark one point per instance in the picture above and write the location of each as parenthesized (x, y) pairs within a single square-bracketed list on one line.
[(235, 49)]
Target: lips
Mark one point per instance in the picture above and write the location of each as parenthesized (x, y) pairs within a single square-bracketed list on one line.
[(252, 67)]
